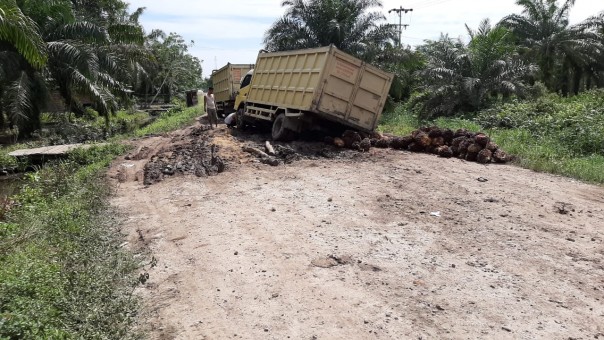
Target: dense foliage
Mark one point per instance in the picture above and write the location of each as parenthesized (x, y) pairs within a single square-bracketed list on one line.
[(171, 69), (63, 273), (569, 56), (460, 77), (576, 122), (511, 60), (89, 52)]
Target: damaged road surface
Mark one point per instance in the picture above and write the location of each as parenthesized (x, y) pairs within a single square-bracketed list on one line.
[(384, 244)]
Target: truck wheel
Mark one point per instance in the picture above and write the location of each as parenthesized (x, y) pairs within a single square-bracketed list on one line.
[(280, 132), (241, 124)]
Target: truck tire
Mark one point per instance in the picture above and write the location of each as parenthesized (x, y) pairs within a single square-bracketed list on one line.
[(241, 124), (280, 132)]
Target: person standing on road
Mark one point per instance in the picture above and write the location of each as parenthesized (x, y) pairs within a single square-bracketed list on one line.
[(209, 106)]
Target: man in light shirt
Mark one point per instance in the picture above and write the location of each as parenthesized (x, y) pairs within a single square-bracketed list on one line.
[(209, 106), (231, 120)]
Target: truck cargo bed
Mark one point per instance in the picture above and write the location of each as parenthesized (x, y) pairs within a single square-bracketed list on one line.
[(323, 81)]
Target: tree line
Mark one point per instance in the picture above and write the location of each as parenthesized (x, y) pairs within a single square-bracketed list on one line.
[(521, 56), (97, 53), (90, 52)]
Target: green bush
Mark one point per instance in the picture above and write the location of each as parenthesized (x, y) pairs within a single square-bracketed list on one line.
[(551, 134), (7, 162), (62, 273), (575, 123), (96, 154), (399, 122), (90, 114)]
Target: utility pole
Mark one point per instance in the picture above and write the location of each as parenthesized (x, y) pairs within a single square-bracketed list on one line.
[(400, 25)]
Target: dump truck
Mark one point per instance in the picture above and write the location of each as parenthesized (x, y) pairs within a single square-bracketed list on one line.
[(226, 84), (322, 88)]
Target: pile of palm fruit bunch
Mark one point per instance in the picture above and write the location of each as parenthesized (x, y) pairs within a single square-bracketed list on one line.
[(463, 144), (352, 140)]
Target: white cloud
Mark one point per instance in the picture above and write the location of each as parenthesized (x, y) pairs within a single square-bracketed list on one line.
[(223, 31), (208, 9), (232, 30), (208, 29)]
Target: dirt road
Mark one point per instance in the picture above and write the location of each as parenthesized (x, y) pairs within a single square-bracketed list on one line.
[(383, 245)]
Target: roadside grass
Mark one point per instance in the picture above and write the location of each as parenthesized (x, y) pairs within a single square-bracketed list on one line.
[(171, 120), (399, 122), (556, 135), (63, 274), (548, 154)]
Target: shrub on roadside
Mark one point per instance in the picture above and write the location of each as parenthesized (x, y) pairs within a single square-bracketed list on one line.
[(577, 122), (552, 134), (62, 273)]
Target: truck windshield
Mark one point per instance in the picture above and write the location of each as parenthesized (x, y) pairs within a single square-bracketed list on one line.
[(246, 81)]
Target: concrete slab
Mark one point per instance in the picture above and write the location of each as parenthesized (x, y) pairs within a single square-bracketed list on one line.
[(51, 151)]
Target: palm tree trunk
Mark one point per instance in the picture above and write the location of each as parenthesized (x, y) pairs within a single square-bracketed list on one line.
[(547, 70), (2, 120), (577, 76), (588, 81), (564, 82)]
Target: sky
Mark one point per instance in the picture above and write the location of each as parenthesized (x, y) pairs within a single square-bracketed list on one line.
[(232, 30)]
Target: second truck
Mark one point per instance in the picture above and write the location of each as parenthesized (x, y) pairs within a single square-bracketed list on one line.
[(226, 82), (312, 89)]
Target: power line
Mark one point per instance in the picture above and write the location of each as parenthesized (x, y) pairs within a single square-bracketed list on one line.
[(400, 25)]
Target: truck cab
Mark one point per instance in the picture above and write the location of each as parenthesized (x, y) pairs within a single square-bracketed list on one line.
[(244, 89)]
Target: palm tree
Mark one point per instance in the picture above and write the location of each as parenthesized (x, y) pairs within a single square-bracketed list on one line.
[(543, 30), (466, 78), (44, 46), (96, 62), (404, 63), (593, 74), (348, 24), (22, 55), (21, 33), (171, 69), (86, 50)]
